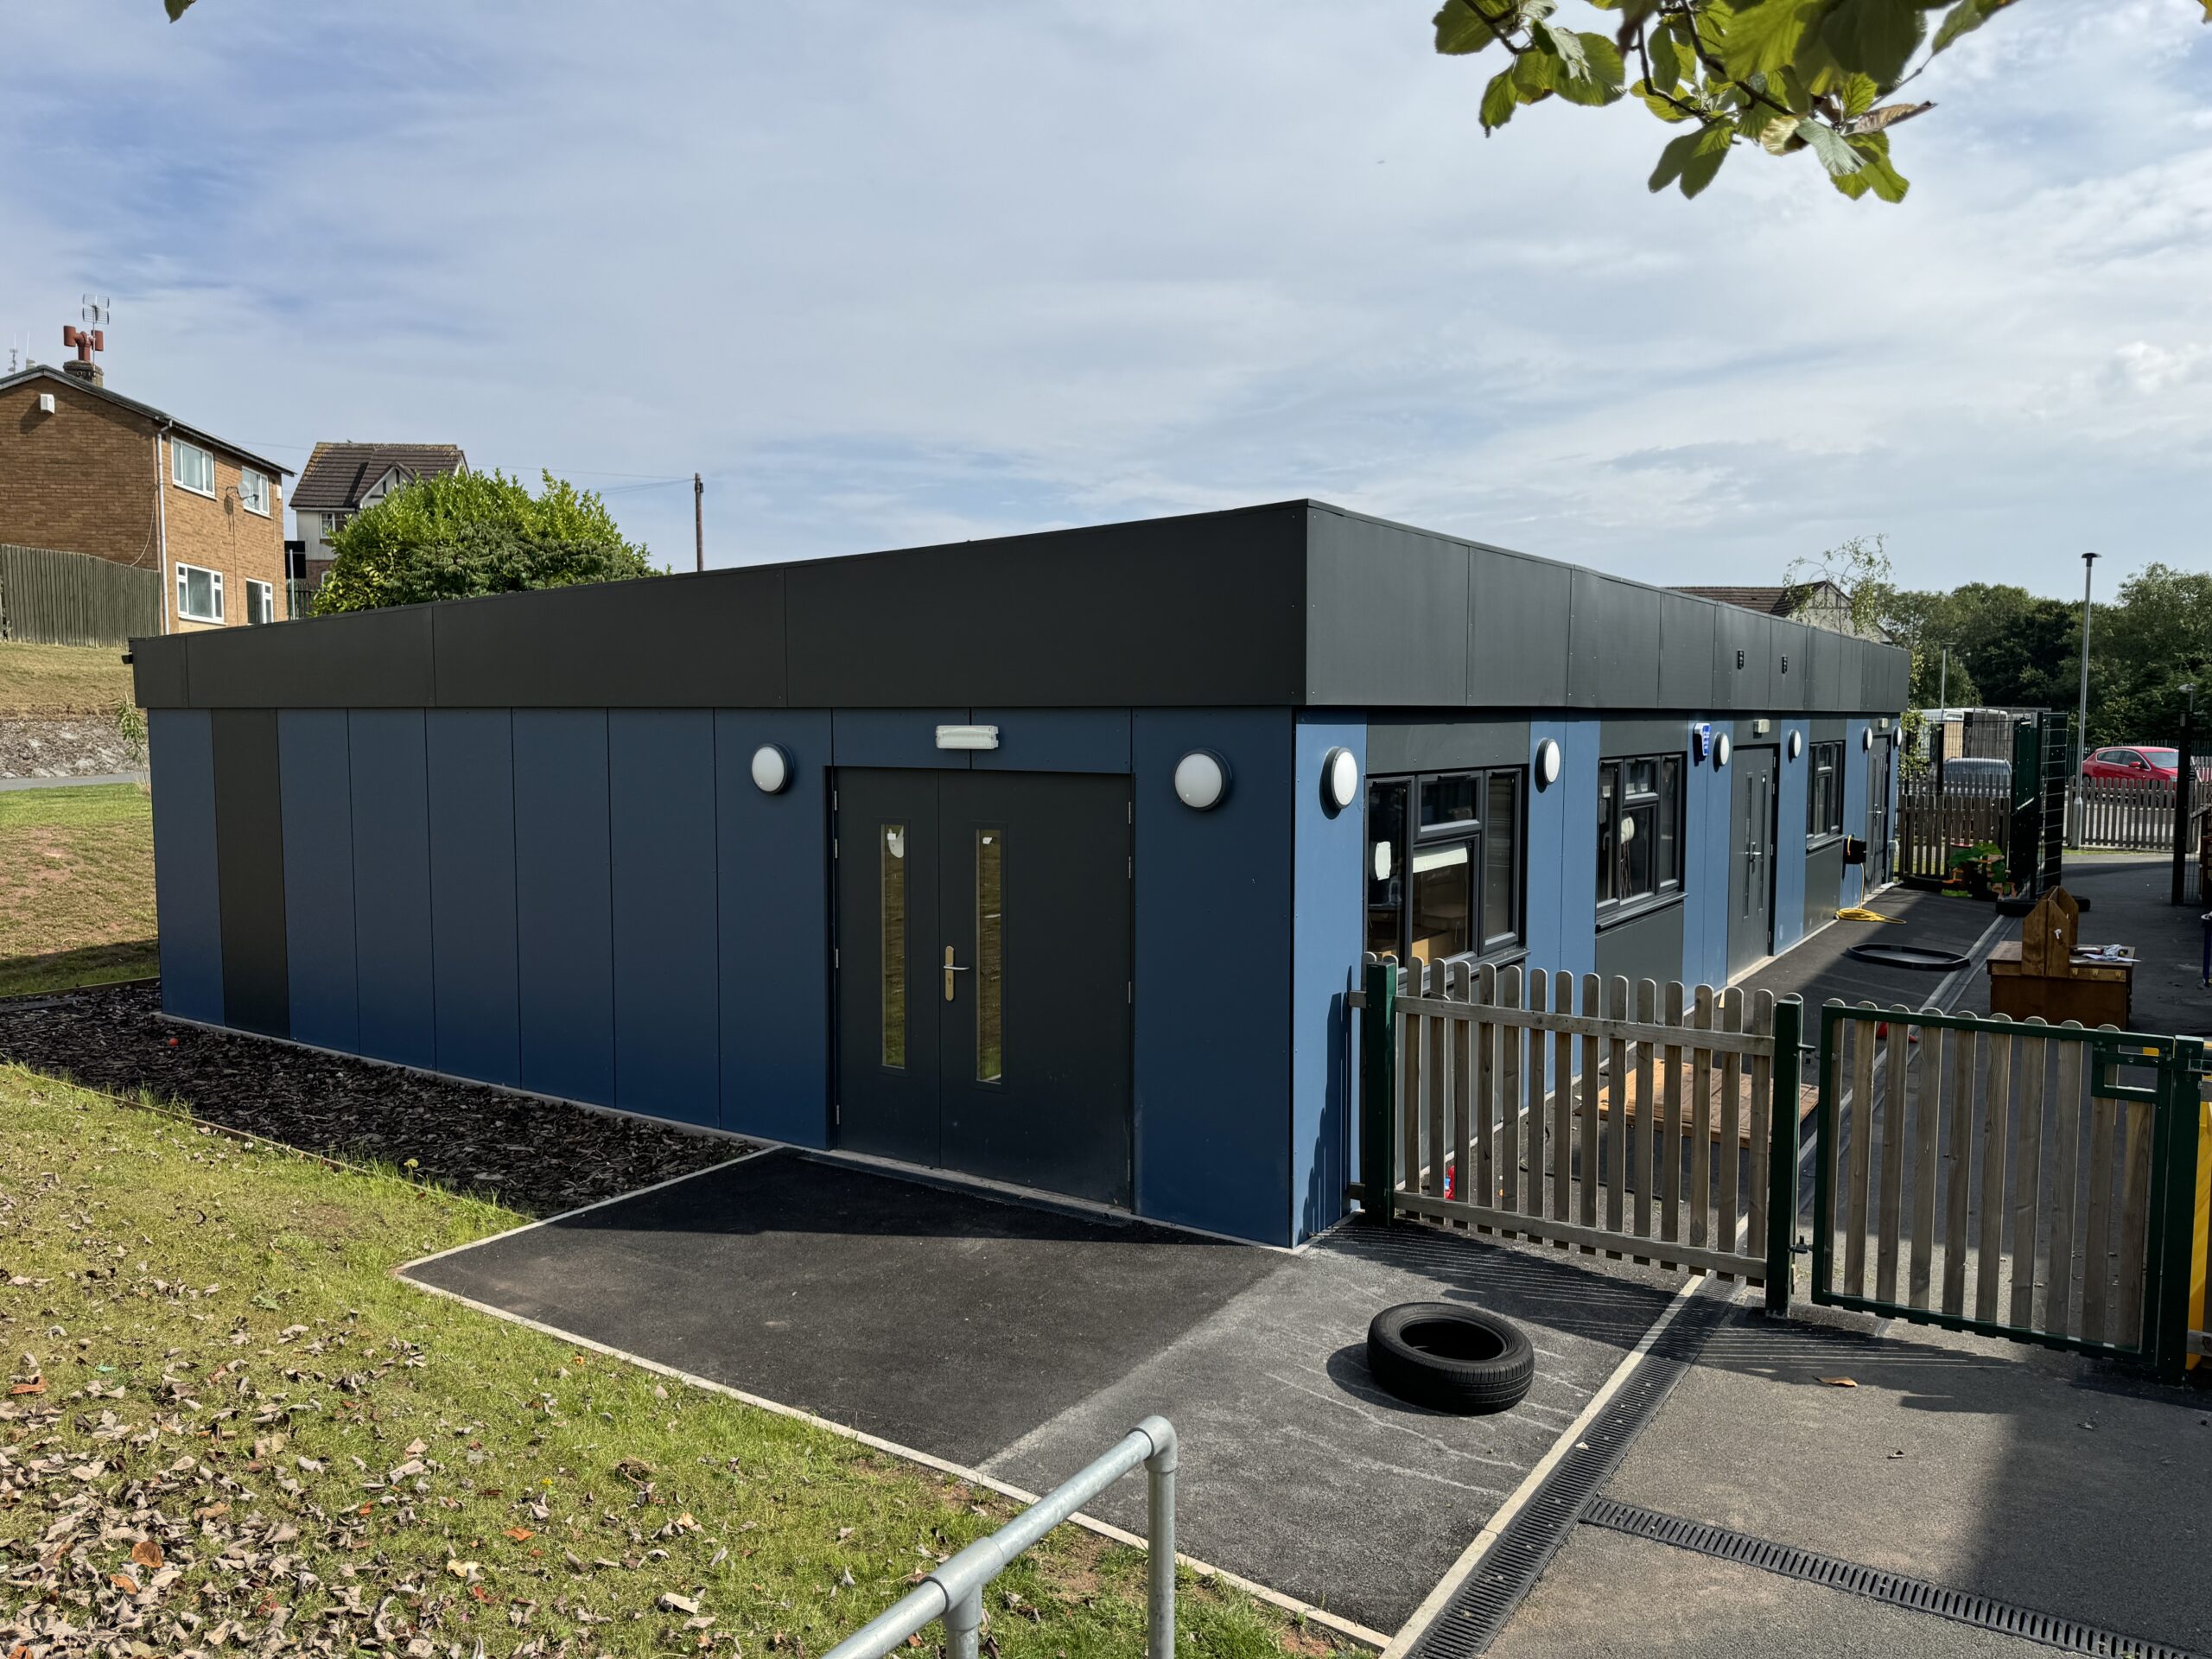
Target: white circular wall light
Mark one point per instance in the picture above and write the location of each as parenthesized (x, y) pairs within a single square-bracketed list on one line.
[(1866, 740), (1339, 780), (1796, 744), (1547, 764), (1722, 748), (771, 769), (1201, 780)]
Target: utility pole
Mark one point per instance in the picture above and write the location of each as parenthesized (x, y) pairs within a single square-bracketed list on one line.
[(699, 525), (2081, 726)]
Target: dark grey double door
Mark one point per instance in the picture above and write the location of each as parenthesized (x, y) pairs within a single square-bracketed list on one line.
[(984, 975), (1752, 818)]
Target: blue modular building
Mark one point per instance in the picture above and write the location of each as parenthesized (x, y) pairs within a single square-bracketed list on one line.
[(1047, 859)]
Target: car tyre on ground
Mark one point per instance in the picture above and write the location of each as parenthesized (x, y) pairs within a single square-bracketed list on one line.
[(1450, 1357)]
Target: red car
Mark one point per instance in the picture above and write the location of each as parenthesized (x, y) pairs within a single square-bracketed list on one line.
[(2137, 761)]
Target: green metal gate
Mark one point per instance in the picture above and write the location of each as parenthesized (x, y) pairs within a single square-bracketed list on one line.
[(2042, 775), (2014, 1179)]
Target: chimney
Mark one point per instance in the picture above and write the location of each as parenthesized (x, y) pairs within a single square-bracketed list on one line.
[(91, 373), (87, 341)]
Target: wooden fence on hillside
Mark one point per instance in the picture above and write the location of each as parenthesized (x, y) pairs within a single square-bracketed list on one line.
[(52, 598)]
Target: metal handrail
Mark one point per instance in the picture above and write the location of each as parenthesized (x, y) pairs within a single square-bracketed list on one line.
[(954, 1592)]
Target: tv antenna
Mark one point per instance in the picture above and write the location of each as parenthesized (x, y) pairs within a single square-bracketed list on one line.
[(94, 311)]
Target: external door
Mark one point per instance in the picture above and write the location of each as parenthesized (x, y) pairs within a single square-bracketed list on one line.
[(1751, 862), (984, 980), (1877, 815)]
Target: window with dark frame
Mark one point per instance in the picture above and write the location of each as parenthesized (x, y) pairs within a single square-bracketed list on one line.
[(1444, 864), (1639, 832), (1824, 793)]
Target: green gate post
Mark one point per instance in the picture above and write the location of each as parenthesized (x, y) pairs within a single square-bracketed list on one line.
[(1378, 1090), (2173, 1213), (1782, 1156)]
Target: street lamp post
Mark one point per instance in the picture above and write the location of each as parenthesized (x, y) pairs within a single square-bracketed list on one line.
[(2081, 722)]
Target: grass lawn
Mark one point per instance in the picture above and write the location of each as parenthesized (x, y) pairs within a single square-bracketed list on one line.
[(76, 886), (62, 679), (229, 1427)]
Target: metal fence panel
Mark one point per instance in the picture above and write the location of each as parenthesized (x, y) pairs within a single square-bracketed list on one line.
[(52, 598)]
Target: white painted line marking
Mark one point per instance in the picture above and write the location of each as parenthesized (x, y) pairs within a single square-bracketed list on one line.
[(1344, 1627), (1471, 1558)]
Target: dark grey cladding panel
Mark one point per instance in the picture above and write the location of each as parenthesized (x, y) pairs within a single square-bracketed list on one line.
[(1444, 743), (1648, 947), (1742, 672), (1825, 729), (1519, 631), (1851, 658), (1686, 630), (157, 675), (1386, 614), (1616, 644), (1654, 735), (1790, 645), (1207, 611), (1884, 678), (1824, 676), (711, 640), (365, 660)]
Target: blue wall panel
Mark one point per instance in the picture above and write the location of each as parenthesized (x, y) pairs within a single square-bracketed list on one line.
[(181, 752), (1562, 850), (896, 737), (1213, 906), (1855, 764), (1055, 739), (315, 775), (1330, 932), (667, 1007), (772, 852), (391, 885), (1789, 836), (473, 892), (1706, 841), (564, 925)]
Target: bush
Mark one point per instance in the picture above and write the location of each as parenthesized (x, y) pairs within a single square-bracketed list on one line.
[(462, 534)]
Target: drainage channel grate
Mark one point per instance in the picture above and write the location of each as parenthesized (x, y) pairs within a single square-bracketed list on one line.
[(1477, 1612), (1982, 1612)]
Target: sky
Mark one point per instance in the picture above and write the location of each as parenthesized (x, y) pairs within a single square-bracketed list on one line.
[(888, 276)]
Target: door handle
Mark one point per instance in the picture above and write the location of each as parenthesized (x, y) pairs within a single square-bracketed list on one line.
[(950, 968)]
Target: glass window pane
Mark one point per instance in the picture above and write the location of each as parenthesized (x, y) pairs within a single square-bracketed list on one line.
[(1501, 849), (1668, 857), (893, 849), (1642, 777), (1607, 862), (1386, 841), (1443, 901), (990, 955), (1448, 800), (1639, 843)]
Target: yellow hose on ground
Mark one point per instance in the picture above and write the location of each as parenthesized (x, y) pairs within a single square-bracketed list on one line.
[(1860, 914)]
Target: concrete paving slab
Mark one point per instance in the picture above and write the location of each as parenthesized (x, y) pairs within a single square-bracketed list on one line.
[(2016, 1472), (1023, 1341), (1606, 1594)]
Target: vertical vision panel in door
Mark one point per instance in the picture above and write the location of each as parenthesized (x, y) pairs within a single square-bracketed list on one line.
[(661, 808), (391, 885), (563, 904), (1751, 859), (472, 891), (1034, 887), (890, 955)]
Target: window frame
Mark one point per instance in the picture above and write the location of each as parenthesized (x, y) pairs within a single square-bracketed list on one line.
[(1487, 942), (259, 596), (1668, 887), (261, 508), (214, 589), (1823, 827), (184, 446)]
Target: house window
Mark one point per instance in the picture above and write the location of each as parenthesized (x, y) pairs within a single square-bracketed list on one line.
[(260, 602), (1447, 884), (1639, 831), (192, 468), (332, 524), (1824, 793), (199, 593), (253, 490)]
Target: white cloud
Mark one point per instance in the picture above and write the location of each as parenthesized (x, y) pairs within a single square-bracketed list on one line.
[(905, 276)]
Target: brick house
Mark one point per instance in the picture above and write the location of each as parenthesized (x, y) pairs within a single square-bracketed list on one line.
[(87, 470), (341, 478)]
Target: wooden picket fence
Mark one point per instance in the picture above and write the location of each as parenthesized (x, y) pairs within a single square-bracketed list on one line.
[(1641, 1124), (2127, 814), (50, 598), (1932, 823), (1999, 1177)]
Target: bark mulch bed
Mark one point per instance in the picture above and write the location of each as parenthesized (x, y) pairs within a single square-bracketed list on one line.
[(535, 1156)]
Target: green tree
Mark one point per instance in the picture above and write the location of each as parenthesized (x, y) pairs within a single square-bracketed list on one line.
[(1782, 76), (462, 534)]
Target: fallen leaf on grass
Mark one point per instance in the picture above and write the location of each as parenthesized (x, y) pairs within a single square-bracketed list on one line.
[(1840, 1382), (671, 1603), (147, 1553), (521, 1535), (37, 1385)]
